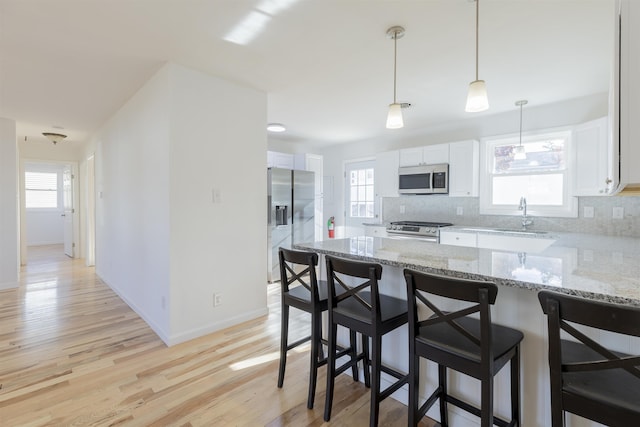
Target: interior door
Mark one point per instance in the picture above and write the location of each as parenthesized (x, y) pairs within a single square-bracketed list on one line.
[(359, 195), (67, 203)]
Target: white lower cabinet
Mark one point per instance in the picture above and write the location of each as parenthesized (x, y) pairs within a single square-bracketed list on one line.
[(455, 238), (375, 230)]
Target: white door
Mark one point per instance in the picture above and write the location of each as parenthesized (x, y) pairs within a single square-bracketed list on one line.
[(67, 201), (359, 196)]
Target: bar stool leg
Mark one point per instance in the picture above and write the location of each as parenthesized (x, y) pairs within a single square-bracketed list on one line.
[(486, 406), (331, 370), (354, 355), (515, 386), (376, 362), (284, 334), (442, 379), (414, 370), (366, 362), (316, 347)]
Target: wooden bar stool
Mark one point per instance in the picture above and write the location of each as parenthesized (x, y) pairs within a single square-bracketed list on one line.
[(360, 307), (587, 379), (472, 346), (299, 268)]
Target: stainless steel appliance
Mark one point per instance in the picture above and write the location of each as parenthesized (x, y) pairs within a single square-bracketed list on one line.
[(424, 179), (416, 230), (290, 217)]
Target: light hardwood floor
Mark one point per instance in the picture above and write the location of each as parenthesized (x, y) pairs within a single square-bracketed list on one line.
[(72, 353)]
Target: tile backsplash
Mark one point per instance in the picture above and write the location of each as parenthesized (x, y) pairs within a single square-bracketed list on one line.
[(445, 209)]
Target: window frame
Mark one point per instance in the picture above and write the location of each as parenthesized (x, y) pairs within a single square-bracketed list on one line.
[(59, 205), (569, 207)]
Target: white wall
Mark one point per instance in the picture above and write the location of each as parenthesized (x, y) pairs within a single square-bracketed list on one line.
[(8, 205), (132, 204), (162, 242), (218, 144), (475, 127)]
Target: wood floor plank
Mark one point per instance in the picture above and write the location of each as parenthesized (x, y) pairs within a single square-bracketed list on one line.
[(72, 353)]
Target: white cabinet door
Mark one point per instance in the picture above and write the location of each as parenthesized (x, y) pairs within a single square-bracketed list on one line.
[(592, 159), (427, 155), (385, 179), (464, 162), (276, 159), (375, 231), (629, 92), (456, 238), (433, 154), (411, 156)]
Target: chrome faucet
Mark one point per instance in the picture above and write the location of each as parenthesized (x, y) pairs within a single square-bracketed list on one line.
[(523, 207)]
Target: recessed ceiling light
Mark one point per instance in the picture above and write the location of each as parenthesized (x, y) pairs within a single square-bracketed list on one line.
[(276, 127)]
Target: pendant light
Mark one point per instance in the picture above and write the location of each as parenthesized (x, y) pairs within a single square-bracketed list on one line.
[(519, 152), (394, 118), (477, 96)]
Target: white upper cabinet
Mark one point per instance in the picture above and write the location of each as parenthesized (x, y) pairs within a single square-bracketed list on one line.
[(427, 155), (464, 165), (385, 179), (629, 90), (276, 159), (593, 159)]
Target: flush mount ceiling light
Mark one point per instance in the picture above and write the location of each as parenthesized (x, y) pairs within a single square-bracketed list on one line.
[(54, 137), (394, 118), (276, 127), (519, 152), (477, 96)]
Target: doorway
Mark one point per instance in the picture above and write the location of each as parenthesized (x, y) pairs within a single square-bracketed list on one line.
[(49, 216), (359, 196)]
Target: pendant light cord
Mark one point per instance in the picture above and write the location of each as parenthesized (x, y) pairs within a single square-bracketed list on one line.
[(395, 58), (477, 32), (521, 104)]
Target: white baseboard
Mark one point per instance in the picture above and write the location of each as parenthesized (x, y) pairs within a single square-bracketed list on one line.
[(5, 286)]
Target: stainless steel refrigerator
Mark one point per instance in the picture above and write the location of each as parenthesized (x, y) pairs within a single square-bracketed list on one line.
[(291, 207)]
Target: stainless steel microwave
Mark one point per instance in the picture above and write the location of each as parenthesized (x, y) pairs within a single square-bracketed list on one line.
[(424, 179)]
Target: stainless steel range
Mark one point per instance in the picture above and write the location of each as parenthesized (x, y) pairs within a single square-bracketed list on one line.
[(416, 229)]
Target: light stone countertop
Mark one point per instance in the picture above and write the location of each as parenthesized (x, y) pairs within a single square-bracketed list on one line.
[(594, 266)]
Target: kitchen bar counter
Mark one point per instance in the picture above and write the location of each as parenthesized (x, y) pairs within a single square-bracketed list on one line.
[(593, 266)]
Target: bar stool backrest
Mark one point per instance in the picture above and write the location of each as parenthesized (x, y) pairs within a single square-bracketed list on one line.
[(562, 309), (305, 274), (421, 285), (340, 275)]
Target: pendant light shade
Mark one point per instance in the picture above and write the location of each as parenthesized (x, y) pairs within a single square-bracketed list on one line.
[(477, 99), (519, 152), (394, 118)]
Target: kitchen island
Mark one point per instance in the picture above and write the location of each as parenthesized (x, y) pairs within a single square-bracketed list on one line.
[(593, 266)]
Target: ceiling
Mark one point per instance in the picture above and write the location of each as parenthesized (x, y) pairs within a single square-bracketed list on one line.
[(326, 65)]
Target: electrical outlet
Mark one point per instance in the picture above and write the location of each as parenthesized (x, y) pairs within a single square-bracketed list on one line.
[(459, 210), (588, 212), (618, 212), (217, 299), (402, 209)]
